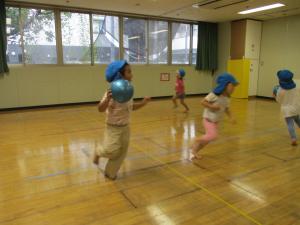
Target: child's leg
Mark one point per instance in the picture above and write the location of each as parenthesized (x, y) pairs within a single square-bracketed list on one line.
[(174, 100), (99, 151), (290, 124), (185, 105), (297, 120), (114, 163), (211, 133)]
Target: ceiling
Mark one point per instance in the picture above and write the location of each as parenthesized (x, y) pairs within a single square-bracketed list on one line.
[(209, 10)]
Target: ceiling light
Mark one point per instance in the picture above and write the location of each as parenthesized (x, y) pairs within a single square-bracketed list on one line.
[(267, 7)]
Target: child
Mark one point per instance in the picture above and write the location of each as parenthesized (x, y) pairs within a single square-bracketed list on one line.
[(117, 132), (289, 98), (179, 88), (215, 103)]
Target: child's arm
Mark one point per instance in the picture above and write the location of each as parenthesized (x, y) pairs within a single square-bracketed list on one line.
[(141, 104), (209, 105), (280, 96), (103, 104), (229, 114)]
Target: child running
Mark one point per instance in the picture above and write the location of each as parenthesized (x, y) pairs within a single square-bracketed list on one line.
[(288, 96), (179, 88), (215, 103), (117, 131)]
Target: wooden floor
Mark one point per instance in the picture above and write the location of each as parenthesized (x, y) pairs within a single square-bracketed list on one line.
[(250, 175)]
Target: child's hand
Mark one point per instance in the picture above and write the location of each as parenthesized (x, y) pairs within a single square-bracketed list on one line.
[(146, 100), (215, 107), (108, 95)]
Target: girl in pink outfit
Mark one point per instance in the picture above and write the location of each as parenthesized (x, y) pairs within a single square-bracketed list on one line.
[(215, 105), (179, 88)]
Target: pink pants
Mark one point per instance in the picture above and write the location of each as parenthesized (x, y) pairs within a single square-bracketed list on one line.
[(211, 131)]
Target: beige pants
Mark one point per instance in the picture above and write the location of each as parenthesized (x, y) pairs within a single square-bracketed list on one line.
[(115, 147)]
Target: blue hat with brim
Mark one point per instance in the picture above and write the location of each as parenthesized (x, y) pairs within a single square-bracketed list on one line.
[(222, 81), (112, 71), (181, 72), (286, 79)]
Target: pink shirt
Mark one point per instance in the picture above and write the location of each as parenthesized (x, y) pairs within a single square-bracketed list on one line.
[(179, 86), (118, 113)]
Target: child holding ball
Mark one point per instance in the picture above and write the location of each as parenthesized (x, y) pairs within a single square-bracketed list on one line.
[(117, 131)]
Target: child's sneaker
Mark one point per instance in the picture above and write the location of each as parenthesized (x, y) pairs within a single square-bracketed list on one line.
[(110, 178), (294, 143), (96, 159)]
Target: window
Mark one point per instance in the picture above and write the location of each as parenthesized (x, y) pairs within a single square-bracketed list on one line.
[(158, 42), (180, 43), (31, 38), (195, 43), (75, 29), (14, 50), (36, 28), (39, 36), (135, 42), (105, 38)]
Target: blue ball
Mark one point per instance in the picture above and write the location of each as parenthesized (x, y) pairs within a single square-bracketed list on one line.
[(122, 90), (276, 90)]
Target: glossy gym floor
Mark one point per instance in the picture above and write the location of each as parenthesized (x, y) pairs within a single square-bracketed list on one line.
[(250, 175)]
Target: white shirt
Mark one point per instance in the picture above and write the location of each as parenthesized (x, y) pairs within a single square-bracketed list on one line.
[(289, 101), (222, 101), (118, 113)]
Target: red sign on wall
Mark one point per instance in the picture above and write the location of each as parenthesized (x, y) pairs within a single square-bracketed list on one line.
[(165, 77)]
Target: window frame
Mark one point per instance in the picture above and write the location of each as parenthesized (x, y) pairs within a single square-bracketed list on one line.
[(146, 39), (58, 33), (148, 35), (190, 45), (34, 6), (62, 54), (92, 38)]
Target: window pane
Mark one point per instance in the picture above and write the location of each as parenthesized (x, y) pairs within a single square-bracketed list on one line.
[(195, 43), (180, 43), (135, 42), (158, 42), (75, 28), (106, 38), (39, 36), (14, 50)]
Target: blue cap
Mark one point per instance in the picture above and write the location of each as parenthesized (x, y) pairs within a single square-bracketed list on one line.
[(286, 79), (222, 81), (112, 71), (181, 72)]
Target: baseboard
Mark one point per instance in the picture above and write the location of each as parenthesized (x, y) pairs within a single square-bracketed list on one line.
[(170, 96), (47, 106), (264, 97), (84, 103)]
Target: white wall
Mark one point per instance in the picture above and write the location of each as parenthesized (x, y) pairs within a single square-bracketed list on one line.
[(280, 49), (47, 85)]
